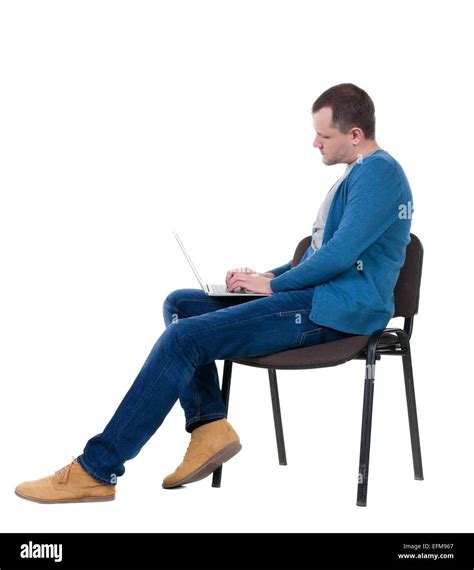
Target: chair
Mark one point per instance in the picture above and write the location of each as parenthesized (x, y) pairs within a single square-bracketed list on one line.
[(389, 341)]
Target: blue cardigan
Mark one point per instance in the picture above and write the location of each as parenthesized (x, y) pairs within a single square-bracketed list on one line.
[(355, 271)]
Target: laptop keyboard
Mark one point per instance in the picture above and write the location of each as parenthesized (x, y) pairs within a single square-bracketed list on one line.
[(223, 289), (219, 289)]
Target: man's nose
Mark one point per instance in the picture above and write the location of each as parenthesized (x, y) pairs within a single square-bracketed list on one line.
[(317, 142)]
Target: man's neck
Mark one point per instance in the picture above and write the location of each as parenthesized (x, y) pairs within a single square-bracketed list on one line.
[(367, 149)]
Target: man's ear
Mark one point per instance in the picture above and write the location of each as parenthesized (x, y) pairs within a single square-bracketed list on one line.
[(356, 135)]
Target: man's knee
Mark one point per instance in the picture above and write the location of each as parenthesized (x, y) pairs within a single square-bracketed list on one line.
[(170, 306)]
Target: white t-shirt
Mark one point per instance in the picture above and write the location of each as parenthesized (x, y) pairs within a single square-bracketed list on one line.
[(320, 222)]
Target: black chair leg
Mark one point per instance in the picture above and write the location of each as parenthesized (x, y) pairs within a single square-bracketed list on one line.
[(366, 430), (412, 415), (277, 416), (226, 377)]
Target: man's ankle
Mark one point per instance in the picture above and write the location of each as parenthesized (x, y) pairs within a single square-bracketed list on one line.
[(191, 427)]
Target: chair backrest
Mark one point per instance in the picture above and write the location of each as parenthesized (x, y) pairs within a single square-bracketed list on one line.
[(407, 289), (299, 251)]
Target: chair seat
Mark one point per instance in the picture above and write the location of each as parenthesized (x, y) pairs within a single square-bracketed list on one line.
[(318, 355)]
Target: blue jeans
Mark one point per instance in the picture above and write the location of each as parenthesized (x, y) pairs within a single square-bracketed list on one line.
[(181, 365)]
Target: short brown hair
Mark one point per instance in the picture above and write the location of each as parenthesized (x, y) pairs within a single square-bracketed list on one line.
[(351, 107)]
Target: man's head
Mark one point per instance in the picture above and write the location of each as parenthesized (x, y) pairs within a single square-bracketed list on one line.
[(344, 121)]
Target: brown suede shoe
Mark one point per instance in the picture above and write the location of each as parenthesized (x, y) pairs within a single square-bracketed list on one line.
[(71, 484), (211, 445)]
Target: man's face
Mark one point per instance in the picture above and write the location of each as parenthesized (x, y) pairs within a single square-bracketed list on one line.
[(335, 147)]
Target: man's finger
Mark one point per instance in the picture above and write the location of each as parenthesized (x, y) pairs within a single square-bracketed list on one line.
[(239, 280), (236, 281), (232, 272)]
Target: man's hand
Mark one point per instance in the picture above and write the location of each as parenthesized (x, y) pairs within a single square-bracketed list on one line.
[(232, 272), (254, 282)]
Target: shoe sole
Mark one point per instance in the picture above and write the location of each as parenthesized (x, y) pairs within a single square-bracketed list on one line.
[(82, 500), (210, 466)]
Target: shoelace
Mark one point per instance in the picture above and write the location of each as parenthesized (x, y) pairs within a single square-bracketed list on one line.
[(190, 444), (63, 473)]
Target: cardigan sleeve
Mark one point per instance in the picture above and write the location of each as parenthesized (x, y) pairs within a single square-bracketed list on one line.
[(374, 197)]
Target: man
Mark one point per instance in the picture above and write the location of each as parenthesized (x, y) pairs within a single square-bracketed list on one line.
[(342, 286)]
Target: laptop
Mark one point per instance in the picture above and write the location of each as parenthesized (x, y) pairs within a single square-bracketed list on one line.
[(215, 290)]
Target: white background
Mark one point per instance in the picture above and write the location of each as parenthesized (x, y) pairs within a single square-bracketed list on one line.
[(121, 121)]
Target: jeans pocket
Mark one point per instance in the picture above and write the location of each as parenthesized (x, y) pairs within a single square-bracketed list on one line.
[(311, 337), (294, 312)]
